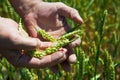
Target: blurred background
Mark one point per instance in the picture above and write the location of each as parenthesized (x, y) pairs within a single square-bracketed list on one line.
[(98, 56)]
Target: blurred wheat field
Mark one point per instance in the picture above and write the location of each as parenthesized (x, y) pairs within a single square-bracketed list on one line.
[(98, 56)]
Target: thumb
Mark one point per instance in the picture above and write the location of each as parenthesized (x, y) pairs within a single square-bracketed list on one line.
[(29, 22), (69, 12), (30, 43)]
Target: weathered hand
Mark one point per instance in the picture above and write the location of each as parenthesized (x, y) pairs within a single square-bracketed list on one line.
[(51, 17), (18, 59), (12, 38), (12, 44)]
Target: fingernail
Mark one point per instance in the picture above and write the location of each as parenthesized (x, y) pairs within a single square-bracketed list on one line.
[(72, 58), (80, 19)]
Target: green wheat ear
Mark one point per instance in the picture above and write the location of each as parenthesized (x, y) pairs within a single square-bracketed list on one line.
[(81, 63), (60, 42), (71, 34), (50, 50), (109, 70), (26, 74), (44, 34)]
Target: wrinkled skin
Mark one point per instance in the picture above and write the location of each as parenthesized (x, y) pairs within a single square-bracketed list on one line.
[(12, 42), (52, 18)]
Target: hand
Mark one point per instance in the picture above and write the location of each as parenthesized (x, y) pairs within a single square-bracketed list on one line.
[(12, 44), (52, 18)]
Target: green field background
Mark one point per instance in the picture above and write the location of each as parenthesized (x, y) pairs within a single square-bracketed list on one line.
[(98, 56)]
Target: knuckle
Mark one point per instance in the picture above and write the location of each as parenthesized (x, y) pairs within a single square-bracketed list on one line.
[(38, 43), (60, 54), (60, 3), (73, 12), (63, 57), (76, 11), (60, 6)]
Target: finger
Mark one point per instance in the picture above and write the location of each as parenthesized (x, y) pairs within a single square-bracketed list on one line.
[(28, 43), (72, 56), (69, 12), (66, 66), (22, 60), (30, 24), (75, 43), (54, 58), (22, 32)]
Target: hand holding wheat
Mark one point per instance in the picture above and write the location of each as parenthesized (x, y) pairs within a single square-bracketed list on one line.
[(50, 17), (13, 43)]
